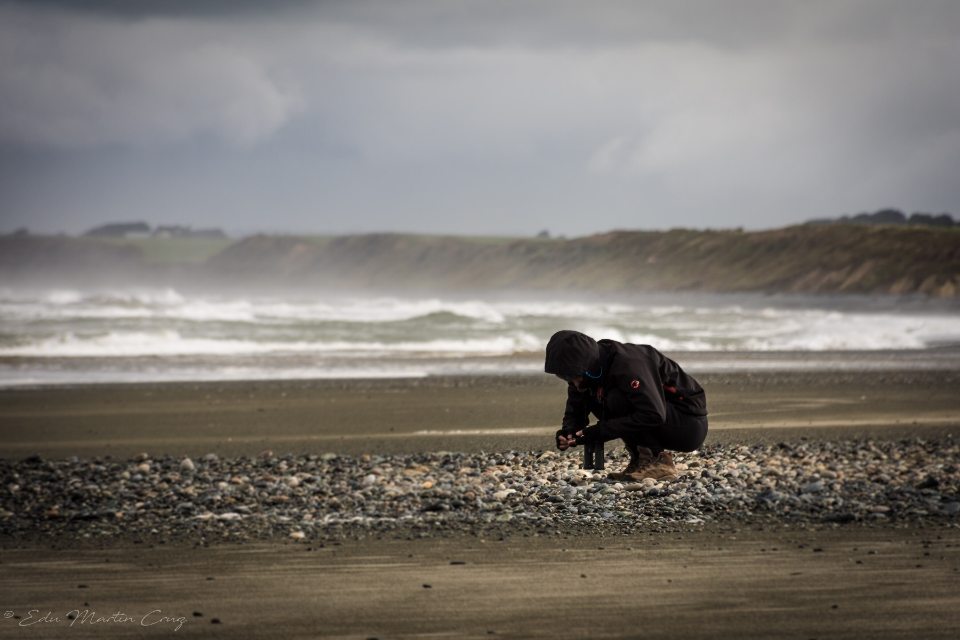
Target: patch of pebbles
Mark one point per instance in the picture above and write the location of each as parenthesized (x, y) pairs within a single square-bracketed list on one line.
[(332, 496)]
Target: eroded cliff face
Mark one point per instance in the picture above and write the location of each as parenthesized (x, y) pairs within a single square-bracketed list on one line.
[(835, 259), (811, 260)]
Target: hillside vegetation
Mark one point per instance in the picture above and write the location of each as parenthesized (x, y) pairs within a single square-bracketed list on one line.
[(809, 259), (169, 251), (803, 259)]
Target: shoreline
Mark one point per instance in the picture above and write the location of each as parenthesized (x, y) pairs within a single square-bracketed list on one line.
[(84, 372)]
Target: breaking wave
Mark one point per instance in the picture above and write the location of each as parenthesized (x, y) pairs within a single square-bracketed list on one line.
[(42, 333)]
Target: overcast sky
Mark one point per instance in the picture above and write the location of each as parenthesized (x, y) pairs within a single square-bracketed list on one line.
[(491, 117)]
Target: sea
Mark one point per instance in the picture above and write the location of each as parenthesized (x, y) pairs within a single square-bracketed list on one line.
[(71, 336)]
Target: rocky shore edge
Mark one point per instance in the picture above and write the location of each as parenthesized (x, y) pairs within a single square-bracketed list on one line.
[(330, 497)]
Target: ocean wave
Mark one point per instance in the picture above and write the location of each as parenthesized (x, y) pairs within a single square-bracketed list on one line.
[(170, 304), (165, 322), (43, 377), (172, 343)]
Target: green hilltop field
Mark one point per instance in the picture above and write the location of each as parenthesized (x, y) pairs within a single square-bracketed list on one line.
[(169, 251)]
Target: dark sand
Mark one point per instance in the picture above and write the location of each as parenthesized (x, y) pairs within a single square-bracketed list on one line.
[(837, 583), (833, 582), (450, 414)]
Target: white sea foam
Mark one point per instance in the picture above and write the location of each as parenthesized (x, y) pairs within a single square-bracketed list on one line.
[(43, 377), (116, 335), (172, 343), (170, 304)]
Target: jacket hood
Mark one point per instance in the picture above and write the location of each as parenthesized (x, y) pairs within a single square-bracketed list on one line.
[(571, 353)]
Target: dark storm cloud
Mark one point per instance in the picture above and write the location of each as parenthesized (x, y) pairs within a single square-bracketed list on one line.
[(479, 116), (74, 80), (614, 23), (458, 23), (574, 23), (148, 8)]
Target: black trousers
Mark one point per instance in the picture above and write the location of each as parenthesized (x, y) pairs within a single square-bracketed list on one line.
[(681, 432)]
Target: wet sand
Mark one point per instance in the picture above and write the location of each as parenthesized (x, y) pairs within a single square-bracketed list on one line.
[(835, 583), (452, 414), (850, 581)]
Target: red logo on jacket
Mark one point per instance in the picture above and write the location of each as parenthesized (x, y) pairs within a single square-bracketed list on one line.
[(634, 384)]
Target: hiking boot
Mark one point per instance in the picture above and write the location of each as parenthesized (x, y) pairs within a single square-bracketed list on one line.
[(660, 469), (640, 458)]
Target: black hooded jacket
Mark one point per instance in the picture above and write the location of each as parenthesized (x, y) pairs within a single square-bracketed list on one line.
[(629, 385)]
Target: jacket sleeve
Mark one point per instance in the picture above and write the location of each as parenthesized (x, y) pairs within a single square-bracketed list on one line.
[(576, 414), (642, 388)]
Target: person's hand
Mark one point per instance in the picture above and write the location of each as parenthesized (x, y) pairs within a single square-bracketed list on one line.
[(564, 442)]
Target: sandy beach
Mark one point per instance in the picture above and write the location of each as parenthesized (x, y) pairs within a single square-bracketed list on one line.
[(463, 413), (835, 583), (735, 576)]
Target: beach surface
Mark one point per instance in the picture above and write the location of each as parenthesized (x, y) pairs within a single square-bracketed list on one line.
[(457, 413), (832, 583), (727, 578)]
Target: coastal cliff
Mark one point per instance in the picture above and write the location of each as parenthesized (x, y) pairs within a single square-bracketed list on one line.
[(806, 259), (803, 259)]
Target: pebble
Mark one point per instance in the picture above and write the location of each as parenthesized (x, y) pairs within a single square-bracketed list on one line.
[(332, 496), (813, 487)]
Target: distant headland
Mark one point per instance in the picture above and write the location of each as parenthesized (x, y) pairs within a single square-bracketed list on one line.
[(871, 254)]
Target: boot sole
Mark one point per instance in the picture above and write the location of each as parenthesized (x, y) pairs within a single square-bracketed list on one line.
[(665, 476)]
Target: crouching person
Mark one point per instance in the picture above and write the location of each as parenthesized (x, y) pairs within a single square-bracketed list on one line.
[(636, 393)]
